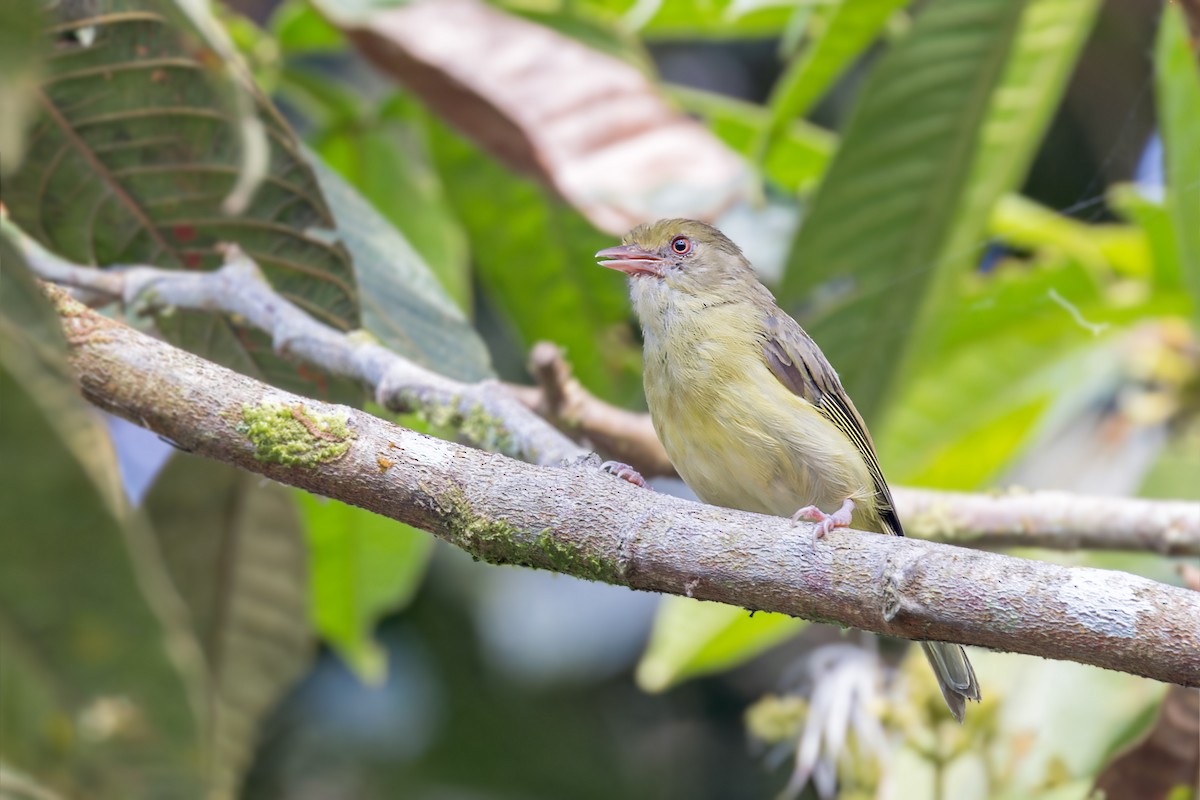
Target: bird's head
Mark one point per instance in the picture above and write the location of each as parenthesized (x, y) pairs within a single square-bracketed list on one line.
[(681, 256)]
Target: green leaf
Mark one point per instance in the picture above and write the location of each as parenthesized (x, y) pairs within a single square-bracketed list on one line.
[(233, 547), (846, 31), (22, 57), (864, 258), (1049, 39), (97, 674), (298, 28), (1102, 248), (690, 19), (402, 303), (1012, 350), (1176, 473), (1153, 218), (1178, 91), (385, 157), (693, 638), (535, 259), (801, 153), (134, 155), (363, 567)]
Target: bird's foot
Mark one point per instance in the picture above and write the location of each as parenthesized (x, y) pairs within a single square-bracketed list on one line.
[(825, 522), (625, 473)]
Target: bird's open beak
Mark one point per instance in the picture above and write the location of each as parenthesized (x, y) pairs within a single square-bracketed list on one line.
[(631, 260)]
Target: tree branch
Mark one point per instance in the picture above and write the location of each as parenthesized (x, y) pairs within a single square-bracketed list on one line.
[(580, 521), (505, 418)]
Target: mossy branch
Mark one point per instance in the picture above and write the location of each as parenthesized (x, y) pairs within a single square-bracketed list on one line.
[(580, 521)]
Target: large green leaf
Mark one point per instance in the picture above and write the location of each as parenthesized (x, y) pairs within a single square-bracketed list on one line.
[(844, 33), (363, 566), (693, 638), (234, 549), (865, 257), (97, 682), (1178, 89), (133, 157), (984, 416), (1043, 54)]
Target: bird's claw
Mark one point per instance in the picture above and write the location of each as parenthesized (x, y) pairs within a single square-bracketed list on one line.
[(825, 522), (625, 473)]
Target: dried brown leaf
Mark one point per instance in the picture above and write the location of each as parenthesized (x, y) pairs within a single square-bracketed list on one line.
[(590, 126)]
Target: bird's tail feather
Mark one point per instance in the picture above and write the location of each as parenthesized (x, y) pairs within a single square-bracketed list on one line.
[(954, 675)]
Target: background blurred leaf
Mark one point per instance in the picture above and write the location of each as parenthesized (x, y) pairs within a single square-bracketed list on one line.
[(693, 637), (801, 151), (1176, 474), (90, 701), (17, 786), (535, 259), (668, 19), (1178, 91), (1153, 219), (1049, 719), (841, 36), (298, 28), (382, 153), (1035, 737), (1010, 352), (22, 56), (233, 547), (864, 257), (363, 566), (606, 140), (1104, 249), (131, 159), (1044, 51), (402, 303)]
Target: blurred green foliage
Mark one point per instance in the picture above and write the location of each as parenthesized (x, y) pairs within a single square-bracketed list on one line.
[(973, 325)]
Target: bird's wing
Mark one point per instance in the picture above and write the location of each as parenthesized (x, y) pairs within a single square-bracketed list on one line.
[(814, 380)]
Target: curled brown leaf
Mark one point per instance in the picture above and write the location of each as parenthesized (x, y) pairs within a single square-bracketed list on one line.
[(590, 126)]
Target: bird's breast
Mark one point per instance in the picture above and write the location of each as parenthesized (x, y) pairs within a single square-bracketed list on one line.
[(737, 436)]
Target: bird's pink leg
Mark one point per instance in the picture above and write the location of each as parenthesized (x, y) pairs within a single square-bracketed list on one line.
[(826, 522), (625, 473)]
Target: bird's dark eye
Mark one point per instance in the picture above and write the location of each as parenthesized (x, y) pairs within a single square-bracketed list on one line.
[(681, 245)]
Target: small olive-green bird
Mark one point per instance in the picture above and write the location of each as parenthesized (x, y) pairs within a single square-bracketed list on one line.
[(749, 410)]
